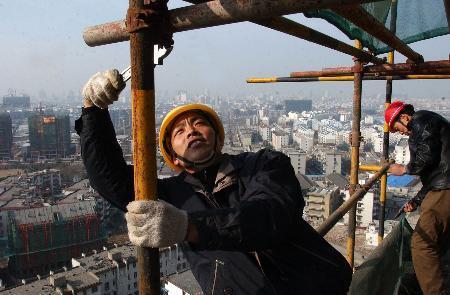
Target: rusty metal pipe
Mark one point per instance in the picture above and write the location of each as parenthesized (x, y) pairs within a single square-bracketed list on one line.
[(214, 13), (337, 215), (354, 160), (345, 78), (292, 28), (429, 67), (144, 144), (383, 182), (330, 73), (361, 18)]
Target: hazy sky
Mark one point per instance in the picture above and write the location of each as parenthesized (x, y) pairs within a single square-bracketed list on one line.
[(42, 50)]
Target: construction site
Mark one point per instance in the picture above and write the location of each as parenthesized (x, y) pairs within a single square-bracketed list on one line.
[(380, 30), (379, 26), (47, 238)]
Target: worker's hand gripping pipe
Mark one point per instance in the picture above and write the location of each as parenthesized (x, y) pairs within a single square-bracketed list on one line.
[(160, 53)]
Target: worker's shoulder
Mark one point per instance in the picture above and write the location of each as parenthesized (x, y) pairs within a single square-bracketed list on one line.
[(423, 118), (259, 158)]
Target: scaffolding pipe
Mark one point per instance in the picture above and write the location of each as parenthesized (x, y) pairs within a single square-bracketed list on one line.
[(429, 67), (370, 168), (361, 18), (330, 73), (383, 183), (337, 215), (214, 13), (355, 140), (144, 145), (345, 78), (292, 28)]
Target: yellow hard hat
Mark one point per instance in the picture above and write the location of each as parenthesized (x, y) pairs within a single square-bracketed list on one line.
[(164, 130)]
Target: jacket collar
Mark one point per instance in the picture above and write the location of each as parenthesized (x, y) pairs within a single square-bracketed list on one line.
[(226, 174)]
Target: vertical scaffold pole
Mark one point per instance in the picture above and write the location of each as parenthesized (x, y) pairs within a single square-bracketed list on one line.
[(144, 142), (383, 188), (354, 167)]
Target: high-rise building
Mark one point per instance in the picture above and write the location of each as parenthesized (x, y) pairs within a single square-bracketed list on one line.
[(298, 106), (49, 136), (45, 238), (16, 101), (5, 136)]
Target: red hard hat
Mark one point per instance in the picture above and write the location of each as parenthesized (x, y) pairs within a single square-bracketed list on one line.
[(392, 112)]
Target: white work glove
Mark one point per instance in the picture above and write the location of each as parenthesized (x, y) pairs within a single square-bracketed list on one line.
[(104, 88), (155, 224)]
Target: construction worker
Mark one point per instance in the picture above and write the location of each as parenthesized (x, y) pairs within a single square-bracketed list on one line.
[(429, 145), (238, 219)]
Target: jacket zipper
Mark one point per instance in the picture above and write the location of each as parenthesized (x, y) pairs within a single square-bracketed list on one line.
[(255, 254)]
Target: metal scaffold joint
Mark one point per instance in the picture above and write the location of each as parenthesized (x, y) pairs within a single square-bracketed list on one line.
[(153, 16)]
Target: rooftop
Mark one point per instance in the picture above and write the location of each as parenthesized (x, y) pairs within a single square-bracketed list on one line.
[(186, 282), (50, 213), (401, 181)]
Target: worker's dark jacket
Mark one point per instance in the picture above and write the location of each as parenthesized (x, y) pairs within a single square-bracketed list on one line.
[(252, 237), (429, 145)]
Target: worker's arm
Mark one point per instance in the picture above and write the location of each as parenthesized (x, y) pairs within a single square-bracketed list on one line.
[(102, 156), (106, 168), (423, 145), (268, 214)]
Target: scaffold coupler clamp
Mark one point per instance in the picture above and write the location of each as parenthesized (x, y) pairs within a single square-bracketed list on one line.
[(154, 17), (358, 68), (355, 138), (352, 188)]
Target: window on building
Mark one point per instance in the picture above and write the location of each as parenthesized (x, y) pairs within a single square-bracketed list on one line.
[(135, 284), (106, 286), (135, 274), (94, 289)]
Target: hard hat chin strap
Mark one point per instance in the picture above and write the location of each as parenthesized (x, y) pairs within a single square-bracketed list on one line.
[(197, 165)]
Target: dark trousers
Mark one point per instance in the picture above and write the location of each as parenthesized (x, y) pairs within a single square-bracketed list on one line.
[(430, 241)]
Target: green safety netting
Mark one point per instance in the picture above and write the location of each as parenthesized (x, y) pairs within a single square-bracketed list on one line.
[(416, 20), (389, 269)]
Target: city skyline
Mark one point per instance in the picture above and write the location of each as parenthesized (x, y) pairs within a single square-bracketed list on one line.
[(50, 60)]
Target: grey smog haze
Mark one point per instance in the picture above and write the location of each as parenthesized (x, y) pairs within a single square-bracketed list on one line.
[(43, 54)]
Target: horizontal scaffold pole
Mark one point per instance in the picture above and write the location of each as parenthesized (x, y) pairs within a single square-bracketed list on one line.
[(370, 168), (337, 215), (425, 68), (215, 13), (345, 78), (361, 18), (292, 28)]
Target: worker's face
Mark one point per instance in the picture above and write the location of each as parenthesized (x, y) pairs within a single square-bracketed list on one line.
[(401, 123), (192, 137)]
